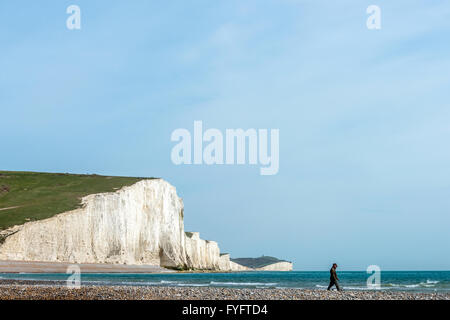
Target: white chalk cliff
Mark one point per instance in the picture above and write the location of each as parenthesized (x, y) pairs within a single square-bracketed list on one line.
[(278, 266), (138, 224)]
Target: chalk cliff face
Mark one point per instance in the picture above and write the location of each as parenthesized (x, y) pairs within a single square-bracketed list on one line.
[(139, 224), (279, 266), (201, 254)]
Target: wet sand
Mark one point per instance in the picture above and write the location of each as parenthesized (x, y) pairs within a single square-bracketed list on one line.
[(53, 267)]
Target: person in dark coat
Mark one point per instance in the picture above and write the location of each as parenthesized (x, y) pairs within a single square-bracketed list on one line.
[(334, 280)]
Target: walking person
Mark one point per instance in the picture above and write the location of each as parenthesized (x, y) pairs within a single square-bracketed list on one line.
[(334, 280)]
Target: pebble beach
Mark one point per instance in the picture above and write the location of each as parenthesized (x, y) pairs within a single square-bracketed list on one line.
[(34, 290)]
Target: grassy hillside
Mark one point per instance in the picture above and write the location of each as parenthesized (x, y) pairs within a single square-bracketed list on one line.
[(257, 262), (29, 196)]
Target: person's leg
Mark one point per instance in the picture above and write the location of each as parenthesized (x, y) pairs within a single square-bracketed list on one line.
[(337, 285), (330, 285)]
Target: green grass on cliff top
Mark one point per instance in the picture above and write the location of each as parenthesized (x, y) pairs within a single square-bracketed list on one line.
[(42, 195)]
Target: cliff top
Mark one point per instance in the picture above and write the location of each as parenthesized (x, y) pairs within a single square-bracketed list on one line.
[(31, 196), (257, 262)]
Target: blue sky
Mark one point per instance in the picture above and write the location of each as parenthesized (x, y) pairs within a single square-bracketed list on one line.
[(363, 116)]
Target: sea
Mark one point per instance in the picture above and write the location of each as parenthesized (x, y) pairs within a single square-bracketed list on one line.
[(417, 281)]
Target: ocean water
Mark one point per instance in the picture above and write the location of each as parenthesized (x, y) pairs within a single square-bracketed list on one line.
[(419, 281)]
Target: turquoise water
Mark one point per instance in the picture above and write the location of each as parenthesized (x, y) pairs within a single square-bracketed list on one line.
[(424, 281)]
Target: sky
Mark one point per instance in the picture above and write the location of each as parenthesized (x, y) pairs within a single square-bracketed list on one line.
[(363, 116)]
